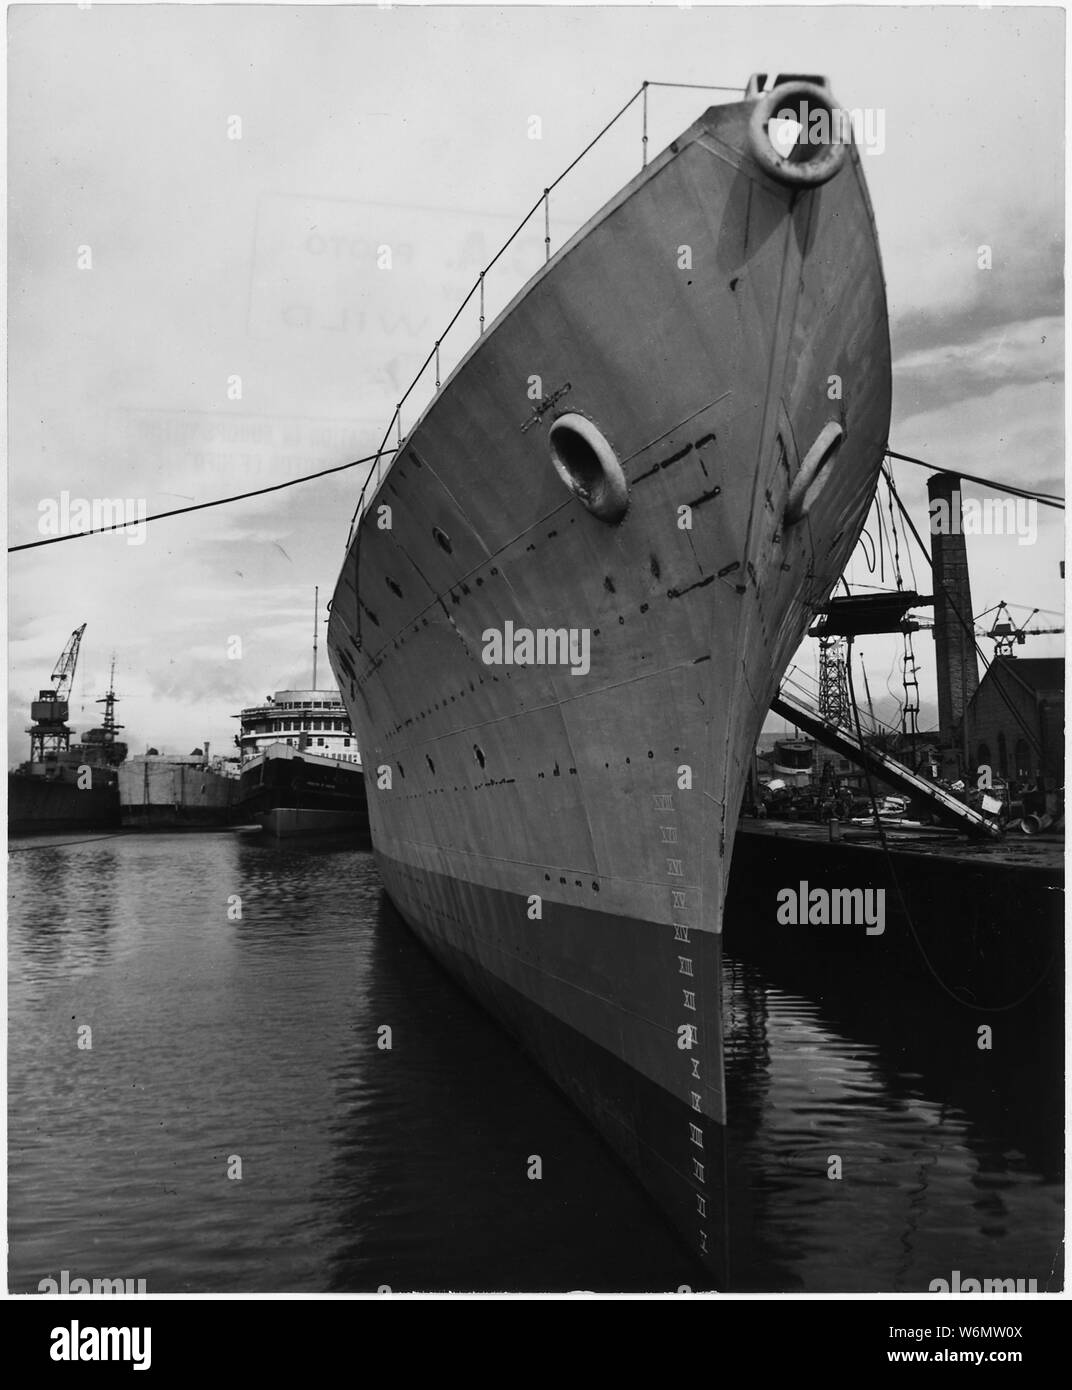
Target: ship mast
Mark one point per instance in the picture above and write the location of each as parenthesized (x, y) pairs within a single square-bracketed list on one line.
[(316, 614), (110, 728)]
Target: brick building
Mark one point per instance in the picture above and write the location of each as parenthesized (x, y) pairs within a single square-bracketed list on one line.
[(1035, 688)]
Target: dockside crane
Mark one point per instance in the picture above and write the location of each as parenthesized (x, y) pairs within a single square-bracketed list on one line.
[(49, 734), (1005, 634), (1003, 631)]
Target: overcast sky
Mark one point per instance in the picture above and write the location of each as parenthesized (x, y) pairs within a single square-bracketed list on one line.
[(215, 257)]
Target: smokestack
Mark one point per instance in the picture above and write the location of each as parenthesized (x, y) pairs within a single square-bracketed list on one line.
[(954, 640)]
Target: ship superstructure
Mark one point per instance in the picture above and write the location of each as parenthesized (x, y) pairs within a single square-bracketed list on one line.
[(313, 720)]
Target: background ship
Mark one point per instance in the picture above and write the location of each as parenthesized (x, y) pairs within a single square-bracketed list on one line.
[(712, 350), (792, 761), (67, 786), (301, 771), (158, 792)]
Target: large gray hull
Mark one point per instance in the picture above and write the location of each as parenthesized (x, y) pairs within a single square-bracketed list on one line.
[(561, 840)]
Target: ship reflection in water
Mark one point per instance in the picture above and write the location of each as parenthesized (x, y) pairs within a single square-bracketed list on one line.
[(364, 1167)]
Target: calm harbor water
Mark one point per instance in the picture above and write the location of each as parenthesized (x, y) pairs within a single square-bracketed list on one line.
[(217, 1037)]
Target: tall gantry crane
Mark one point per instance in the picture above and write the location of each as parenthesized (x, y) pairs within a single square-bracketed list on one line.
[(833, 685), (49, 734)]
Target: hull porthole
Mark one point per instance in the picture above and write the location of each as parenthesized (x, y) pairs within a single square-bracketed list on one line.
[(813, 473), (589, 467), (798, 135)]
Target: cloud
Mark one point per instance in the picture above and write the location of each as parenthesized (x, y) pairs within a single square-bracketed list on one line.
[(204, 269), (1021, 355), (1013, 433), (941, 294)]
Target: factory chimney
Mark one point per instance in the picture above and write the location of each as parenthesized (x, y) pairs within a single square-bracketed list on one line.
[(954, 639)]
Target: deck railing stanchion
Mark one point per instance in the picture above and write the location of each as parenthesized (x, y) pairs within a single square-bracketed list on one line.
[(376, 473)]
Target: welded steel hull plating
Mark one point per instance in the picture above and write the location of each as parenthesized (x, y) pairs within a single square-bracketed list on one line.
[(559, 837)]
